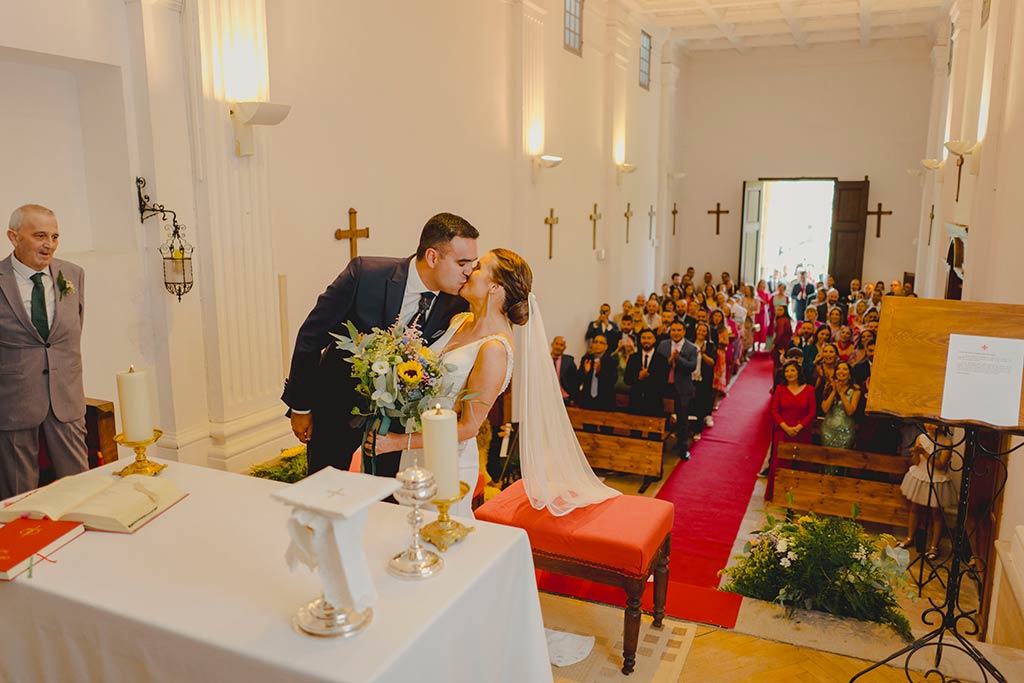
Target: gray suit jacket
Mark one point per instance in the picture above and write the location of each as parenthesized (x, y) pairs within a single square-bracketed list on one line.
[(686, 363), (36, 375)]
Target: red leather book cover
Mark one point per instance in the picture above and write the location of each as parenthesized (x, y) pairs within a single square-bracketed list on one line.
[(22, 539)]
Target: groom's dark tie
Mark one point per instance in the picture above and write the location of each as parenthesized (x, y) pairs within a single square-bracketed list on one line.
[(426, 298)]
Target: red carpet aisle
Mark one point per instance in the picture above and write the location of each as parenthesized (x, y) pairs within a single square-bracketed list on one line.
[(711, 493)]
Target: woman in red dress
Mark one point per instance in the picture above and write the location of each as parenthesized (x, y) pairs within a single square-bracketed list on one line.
[(794, 406)]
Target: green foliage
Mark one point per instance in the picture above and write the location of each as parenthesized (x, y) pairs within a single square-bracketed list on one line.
[(290, 467), (826, 564)]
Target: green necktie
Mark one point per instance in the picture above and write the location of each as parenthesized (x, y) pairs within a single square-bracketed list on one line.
[(39, 318)]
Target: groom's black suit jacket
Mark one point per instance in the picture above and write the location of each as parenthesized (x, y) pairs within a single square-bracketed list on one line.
[(369, 293)]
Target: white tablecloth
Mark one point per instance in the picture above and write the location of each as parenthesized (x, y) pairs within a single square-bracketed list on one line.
[(202, 593)]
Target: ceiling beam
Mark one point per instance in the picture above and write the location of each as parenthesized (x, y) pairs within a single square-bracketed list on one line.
[(864, 9), (726, 30), (789, 8)]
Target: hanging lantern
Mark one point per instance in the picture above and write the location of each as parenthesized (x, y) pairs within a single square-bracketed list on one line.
[(176, 251)]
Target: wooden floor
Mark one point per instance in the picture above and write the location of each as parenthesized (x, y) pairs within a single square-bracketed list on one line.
[(726, 657)]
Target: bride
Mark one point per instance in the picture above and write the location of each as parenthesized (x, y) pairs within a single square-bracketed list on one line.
[(478, 344)]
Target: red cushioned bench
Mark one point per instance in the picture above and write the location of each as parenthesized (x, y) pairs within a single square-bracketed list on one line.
[(619, 542)]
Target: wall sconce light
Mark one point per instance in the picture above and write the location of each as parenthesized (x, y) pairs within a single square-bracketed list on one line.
[(176, 251), (541, 161), (253, 113), (961, 149), (623, 169)]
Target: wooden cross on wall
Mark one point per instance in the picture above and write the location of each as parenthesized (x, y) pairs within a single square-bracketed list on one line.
[(718, 217), (675, 211), (628, 215), (351, 234), (650, 222), (551, 222), (594, 218), (879, 213)]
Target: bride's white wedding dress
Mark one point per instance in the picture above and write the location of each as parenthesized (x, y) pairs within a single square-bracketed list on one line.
[(463, 358)]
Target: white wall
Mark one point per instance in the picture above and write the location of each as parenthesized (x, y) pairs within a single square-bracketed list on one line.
[(832, 111), (431, 123)]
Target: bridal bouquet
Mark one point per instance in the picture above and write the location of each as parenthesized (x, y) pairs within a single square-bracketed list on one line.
[(398, 377)]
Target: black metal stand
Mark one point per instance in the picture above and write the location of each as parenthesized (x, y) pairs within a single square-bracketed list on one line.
[(948, 633)]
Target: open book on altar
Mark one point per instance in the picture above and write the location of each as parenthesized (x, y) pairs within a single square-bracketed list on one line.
[(99, 502)]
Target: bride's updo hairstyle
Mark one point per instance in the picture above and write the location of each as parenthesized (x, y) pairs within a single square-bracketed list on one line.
[(515, 277)]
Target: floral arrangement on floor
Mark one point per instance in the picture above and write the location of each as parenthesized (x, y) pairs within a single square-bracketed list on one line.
[(290, 467), (826, 564)]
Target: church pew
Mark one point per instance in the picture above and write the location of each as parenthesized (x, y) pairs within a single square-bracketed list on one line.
[(619, 542), (99, 439), (620, 442), (797, 480)]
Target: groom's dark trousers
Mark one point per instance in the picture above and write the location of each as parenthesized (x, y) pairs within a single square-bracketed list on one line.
[(368, 293)]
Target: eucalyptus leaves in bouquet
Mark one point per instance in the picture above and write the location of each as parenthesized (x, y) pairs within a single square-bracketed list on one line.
[(397, 378), (827, 564)]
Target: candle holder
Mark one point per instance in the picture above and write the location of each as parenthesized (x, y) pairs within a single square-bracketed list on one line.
[(142, 465), (415, 562), (444, 531), (321, 618)]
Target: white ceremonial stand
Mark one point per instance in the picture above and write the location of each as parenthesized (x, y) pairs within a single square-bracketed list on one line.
[(329, 514)]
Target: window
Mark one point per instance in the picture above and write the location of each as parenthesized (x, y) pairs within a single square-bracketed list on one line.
[(574, 26), (645, 60)]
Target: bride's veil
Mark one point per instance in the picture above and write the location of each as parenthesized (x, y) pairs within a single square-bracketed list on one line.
[(556, 474)]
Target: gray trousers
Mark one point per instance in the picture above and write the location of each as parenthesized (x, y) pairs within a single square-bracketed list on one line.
[(19, 453)]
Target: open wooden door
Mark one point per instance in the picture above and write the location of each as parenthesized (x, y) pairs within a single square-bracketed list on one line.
[(750, 238), (849, 223)]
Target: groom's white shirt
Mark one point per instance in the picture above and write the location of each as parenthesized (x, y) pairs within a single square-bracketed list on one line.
[(413, 288)]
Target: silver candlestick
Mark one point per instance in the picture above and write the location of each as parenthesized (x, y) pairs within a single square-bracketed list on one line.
[(416, 561)]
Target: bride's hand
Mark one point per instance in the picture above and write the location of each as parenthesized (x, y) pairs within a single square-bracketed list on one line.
[(386, 443)]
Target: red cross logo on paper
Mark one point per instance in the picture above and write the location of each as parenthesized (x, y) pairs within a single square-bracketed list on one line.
[(984, 347)]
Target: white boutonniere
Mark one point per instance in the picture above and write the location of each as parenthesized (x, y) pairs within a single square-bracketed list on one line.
[(64, 285)]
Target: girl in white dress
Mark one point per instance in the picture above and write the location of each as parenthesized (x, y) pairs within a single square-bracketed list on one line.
[(927, 484)]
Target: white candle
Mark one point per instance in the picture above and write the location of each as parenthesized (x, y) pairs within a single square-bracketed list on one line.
[(133, 395), (441, 450)]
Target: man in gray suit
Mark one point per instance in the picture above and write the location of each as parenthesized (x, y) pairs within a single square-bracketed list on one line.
[(41, 311), (682, 361)]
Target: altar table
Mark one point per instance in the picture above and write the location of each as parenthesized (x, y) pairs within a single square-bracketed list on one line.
[(202, 593)]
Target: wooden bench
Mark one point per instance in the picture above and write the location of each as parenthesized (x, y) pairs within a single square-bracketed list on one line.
[(619, 542), (871, 482), (620, 442)]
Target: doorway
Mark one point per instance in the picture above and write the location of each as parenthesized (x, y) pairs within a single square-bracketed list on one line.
[(787, 228)]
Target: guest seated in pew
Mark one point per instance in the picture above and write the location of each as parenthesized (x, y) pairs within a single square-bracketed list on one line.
[(839, 429), (646, 375), (598, 374), (565, 368), (927, 484)]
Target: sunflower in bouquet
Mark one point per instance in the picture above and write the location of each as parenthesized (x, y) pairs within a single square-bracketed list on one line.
[(397, 377)]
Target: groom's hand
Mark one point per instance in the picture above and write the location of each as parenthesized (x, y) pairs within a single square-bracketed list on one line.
[(302, 426)]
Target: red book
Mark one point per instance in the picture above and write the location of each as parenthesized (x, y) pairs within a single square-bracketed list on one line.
[(23, 539)]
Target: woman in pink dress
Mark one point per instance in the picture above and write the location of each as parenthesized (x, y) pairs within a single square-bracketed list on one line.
[(764, 316)]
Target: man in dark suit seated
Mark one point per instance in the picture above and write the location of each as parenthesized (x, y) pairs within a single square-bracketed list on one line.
[(604, 326), (598, 374), (565, 368), (646, 374)]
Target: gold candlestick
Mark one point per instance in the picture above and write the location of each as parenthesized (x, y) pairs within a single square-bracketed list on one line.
[(444, 531), (142, 465)]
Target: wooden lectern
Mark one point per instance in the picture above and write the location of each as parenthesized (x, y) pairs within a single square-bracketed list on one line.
[(907, 380)]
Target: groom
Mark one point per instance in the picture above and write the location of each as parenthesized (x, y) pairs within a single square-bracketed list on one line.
[(372, 291)]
